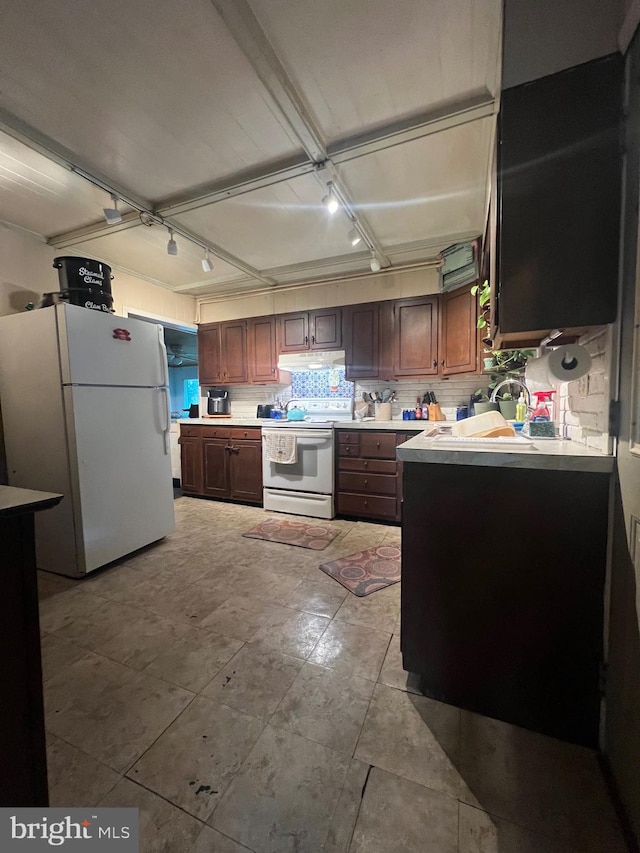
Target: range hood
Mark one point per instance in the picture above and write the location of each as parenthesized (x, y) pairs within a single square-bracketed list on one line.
[(294, 362)]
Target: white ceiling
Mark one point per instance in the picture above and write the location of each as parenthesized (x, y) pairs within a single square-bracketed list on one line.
[(226, 119)]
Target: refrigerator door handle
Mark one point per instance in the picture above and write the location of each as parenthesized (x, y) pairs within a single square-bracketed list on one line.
[(167, 423), (163, 356)]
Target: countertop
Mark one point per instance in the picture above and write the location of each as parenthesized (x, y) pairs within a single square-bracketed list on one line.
[(399, 425), (550, 454), (14, 501)]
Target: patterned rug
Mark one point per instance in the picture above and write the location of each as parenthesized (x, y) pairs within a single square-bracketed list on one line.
[(300, 533), (367, 571)]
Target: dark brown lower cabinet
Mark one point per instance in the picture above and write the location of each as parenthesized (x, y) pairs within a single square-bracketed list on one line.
[(369, 481), (503, 575), (222, 462)]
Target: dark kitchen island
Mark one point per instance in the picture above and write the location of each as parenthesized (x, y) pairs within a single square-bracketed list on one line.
[(503, 577)]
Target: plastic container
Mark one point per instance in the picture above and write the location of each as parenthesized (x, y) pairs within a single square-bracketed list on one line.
[(479, 424), (521, 409)]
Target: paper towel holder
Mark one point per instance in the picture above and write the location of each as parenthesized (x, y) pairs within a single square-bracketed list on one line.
[(550, 337)]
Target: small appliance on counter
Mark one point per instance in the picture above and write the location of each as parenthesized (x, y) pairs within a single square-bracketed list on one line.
[(264, 410), (218, 402)]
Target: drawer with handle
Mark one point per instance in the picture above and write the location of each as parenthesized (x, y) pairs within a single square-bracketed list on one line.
[(248, 433), (191, 431), (366, 505), (373, 466), (348, 437), (216, 432), (355, 481), (381, 445)]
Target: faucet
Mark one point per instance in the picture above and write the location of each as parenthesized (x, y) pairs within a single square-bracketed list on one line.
[(500, 385)]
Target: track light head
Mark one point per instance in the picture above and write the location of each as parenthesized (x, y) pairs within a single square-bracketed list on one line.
[(355, 237), (207, 266), (111, 214), (330, 201), (375, 264), (172, 246)]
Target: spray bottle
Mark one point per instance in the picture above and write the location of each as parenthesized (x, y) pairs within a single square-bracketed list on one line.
[(542, 411)]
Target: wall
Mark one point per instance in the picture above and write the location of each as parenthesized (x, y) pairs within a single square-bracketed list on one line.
[(369, 288), (583, 405), (26, 272), (546, 36)]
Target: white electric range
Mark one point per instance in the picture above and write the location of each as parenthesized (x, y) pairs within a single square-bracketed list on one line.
[(306, 486)]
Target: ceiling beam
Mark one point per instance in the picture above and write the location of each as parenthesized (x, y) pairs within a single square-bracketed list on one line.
[(48, 147), (479, 106), (245, 28)]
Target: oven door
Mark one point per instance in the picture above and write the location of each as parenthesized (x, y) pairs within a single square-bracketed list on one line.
[(313, 470)]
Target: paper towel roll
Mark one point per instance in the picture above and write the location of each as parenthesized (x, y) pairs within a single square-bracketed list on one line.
[(562, 364)]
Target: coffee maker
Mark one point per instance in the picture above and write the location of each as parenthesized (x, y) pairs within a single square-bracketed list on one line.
[(218, 402)]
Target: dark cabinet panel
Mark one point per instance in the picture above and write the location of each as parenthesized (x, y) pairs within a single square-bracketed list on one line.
[(311, 330), (209, 354), (325, 327), (245, 468), (262, 349), (360, 330), (191, 464), (294, 332), (520, 638), (367, 475), (458, 344), (416, 336), (559, 186), (233, 342), (215, 467)]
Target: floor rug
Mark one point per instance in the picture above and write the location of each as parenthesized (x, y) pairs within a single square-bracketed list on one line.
[(366, 571), (302, 534)]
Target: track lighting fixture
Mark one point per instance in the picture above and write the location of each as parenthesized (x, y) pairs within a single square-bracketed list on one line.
[(111, 214), (172, 246), (207, 266), (374, 264), (355, 237), (330, 201)]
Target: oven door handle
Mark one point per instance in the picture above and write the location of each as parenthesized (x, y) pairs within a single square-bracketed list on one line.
[(322, 434)]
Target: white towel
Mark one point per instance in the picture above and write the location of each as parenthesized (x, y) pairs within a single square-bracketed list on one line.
[(281, 447)]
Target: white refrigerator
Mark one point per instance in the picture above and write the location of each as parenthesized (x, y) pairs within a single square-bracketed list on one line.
[(85, 411)]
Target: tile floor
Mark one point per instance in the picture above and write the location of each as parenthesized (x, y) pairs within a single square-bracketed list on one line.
[(244, 701)]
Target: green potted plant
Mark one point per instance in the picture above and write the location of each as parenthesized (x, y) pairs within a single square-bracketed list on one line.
[(507, 406), (482, 403), (483, 292)]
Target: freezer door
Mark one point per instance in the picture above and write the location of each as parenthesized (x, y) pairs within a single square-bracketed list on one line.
[(102, 349), (121, 468)]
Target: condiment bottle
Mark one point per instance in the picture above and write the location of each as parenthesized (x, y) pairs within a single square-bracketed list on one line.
[(418, 409), (521, 409)]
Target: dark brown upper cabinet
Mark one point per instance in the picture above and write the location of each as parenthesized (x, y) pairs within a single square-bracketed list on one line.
[(559, 185), (222, 353), (311, 330), (458, 343), (360, 324), (416, 337), (262, 350), (209, 354)]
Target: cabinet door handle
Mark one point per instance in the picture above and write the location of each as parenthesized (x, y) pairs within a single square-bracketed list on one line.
[(313, 339), (365, 463), (273, 370), (442, 362), (366, 482), (378, 445), (435, 363), (306, 339)]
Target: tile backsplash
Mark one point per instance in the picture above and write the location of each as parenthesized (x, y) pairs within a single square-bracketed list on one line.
[(321, 383), (449, 392)]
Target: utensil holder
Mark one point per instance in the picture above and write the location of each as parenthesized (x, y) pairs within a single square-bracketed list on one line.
[(383, 411)]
